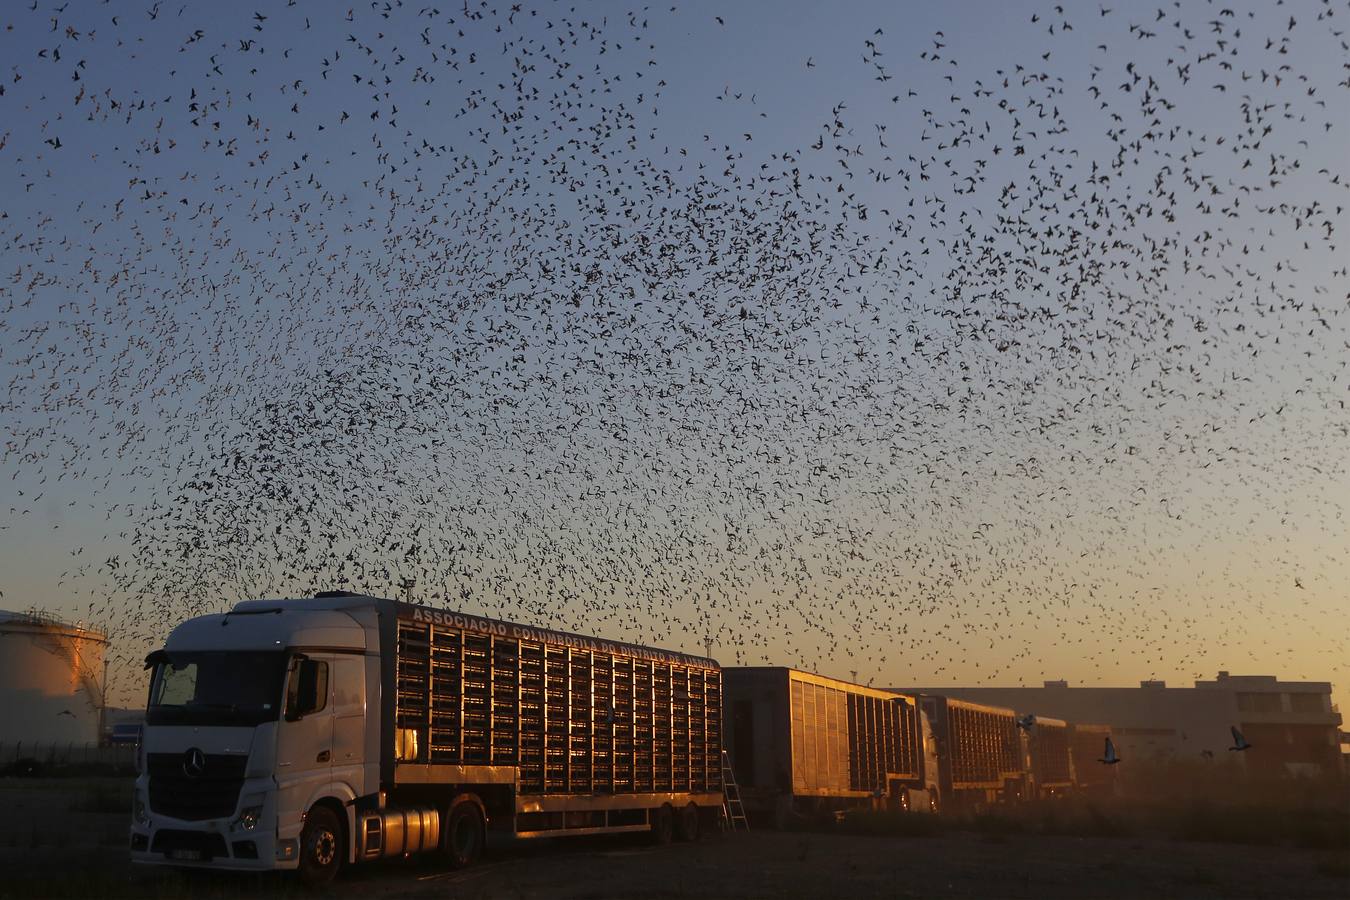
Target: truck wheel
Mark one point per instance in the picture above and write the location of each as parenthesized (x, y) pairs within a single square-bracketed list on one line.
[(465, 835), (687, 828), (320, 847), (663, 825)]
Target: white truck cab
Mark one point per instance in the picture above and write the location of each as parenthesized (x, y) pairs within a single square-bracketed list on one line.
[(255, 718)]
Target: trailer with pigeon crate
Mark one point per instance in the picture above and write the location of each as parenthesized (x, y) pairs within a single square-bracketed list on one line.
[(341, 728), (979, 752), (592, 735), (1086, 744), (1048, 759), (804, 745)]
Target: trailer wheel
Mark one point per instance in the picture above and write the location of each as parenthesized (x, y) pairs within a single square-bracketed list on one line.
[(663, 824), (934, 804), (465, 834), (320, 847), (688, 827)]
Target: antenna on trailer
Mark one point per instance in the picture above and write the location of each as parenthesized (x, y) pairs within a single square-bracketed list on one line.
[(408, 584)]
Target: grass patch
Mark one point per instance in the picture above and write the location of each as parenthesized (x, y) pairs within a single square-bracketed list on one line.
[(1200, 875), (105, 797), (1231, 822), (1309, 829), (207, 886), (1334, 867), (1001, 821), (890, 823), (1060, 816)]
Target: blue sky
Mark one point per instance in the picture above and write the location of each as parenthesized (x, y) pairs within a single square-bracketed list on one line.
[(1144, 479)]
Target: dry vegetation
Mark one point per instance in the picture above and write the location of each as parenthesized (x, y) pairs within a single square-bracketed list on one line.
[(1238, 822), (65, 838)]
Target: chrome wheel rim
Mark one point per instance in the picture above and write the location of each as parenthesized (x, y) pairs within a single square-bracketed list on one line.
[(325, 848)]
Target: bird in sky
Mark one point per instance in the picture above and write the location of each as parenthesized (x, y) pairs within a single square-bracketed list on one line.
[(513, 303)]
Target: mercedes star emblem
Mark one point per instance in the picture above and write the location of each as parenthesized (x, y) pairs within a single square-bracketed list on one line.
[(194, 762)]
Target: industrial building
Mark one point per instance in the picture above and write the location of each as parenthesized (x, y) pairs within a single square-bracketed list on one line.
[(52, 676), (1292, 724)]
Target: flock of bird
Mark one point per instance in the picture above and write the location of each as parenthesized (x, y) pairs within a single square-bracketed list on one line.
[(989, 358)]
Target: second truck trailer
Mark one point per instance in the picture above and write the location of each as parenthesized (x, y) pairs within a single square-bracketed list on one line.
[(803, 745)]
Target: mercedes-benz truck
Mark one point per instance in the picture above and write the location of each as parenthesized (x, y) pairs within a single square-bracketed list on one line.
[(315, 733)]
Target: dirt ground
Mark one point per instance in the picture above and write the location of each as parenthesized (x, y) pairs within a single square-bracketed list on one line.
[(73, 847)]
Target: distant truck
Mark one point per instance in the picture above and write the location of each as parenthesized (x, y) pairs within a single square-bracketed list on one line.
[(308, 734), (979, 751), (1087, 743), (1049, 764), (803, 745)]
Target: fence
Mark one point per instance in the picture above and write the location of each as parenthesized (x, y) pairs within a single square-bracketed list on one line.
[(37, 758)]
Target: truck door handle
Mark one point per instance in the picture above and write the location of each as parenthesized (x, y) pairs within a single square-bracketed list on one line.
[(324, 756)]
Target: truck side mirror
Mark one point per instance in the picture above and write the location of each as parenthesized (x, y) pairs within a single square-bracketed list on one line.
[(307, 690)]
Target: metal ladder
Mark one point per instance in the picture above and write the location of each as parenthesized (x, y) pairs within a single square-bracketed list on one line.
[(733, 811)]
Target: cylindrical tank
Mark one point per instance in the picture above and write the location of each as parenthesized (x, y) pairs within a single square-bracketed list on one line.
[(51, 681)]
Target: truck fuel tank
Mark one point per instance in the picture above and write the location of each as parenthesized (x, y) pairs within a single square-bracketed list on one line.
[(398, 831)]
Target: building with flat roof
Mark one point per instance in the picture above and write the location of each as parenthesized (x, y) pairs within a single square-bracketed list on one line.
[(1292, 725)]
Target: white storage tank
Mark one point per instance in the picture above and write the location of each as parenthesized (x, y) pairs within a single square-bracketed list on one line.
[(51, 681)]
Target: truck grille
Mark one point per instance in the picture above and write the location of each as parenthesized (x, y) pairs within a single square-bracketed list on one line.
[(211, 795)]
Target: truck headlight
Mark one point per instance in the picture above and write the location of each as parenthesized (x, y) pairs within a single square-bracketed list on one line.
[(139, 813), (249, 814)]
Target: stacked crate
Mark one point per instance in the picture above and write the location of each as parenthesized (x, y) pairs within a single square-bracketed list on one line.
[(1052, 768), (571, 720), (983, 743)]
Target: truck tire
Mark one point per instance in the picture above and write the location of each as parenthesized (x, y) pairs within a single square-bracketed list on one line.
[(687, 828), (320, 847), (663, 825), (465, 834)]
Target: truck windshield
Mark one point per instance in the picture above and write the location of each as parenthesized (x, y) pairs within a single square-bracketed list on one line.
[(216, 688)]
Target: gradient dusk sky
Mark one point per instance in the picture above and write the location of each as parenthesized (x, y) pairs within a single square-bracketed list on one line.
[(939, 343)]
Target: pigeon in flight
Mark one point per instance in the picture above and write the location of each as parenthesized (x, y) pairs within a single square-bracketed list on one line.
[(1025, 722), (1110, 757), (1239, 742)]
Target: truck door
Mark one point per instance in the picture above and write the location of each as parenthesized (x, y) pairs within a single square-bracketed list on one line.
[(305, 735), (348, 676)]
